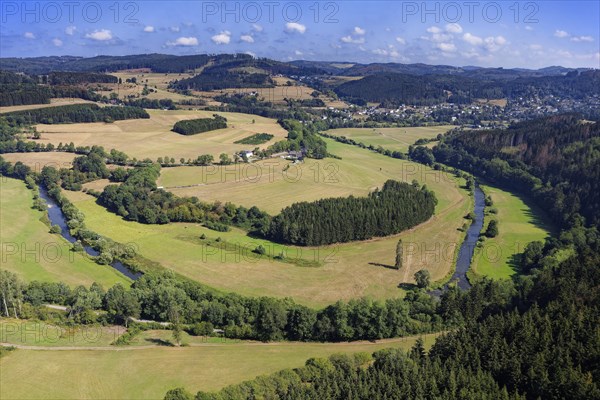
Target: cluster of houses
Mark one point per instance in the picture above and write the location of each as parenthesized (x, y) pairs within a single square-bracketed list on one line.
[(296, 156)]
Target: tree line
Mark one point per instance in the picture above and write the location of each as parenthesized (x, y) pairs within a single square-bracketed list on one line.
[(74, 113), (396, 207)]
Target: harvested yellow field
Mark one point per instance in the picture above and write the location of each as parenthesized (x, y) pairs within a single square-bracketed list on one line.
[(153, 137), (37, 161)]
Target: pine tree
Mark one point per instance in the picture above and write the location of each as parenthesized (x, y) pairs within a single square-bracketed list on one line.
[(399, 254)]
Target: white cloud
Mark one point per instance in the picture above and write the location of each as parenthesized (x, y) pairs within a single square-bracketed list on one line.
[(359, 31), (350, 39), (582, 39), (222, 38), (174, 29), (400, 40), (247, 38), (298, 53), (257, 27), (472, 39), (57, 42), (184, 41), (380, 52), (454, 28), (101, 35), (29, 35), (149, 28), (535, 47), (433, 29), (295, 27), (70, 30), (440, 37), (494, 43), (561, 34), (447, 47), (500, 40), (528, 28)]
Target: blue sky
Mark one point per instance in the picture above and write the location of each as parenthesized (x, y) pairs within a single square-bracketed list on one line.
[(525, 34)]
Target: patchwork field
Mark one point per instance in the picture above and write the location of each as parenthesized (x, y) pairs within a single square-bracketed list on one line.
[(30, 251), (147, 373), (275, 94), (153, 137), (156, 81), (519, 222), (342, 271), (391, 138)]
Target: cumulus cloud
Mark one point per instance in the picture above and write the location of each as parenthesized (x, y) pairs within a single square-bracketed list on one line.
[(222, 38), (350, 39), (57, 42), (295, 27), (433, 29), (149, 28), (454, 28), (184, 41), (70, 30), (101, 35), (561, 34), (359, 31), (247, 38), (494, 43), (472, 39), (447, 47), (298, 53), (174, 29), (401, 40), (582, 39), (257, 27), (29, 35)]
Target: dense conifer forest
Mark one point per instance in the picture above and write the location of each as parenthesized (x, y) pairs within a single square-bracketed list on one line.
[(554, 159), (396, 207), (73, 114), (195, 126)]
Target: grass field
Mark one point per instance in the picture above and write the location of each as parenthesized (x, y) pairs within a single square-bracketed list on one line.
[(273, 187), (519, 222), (391, 138), (346, 271), (39, 333), (149, 373), (29, 250), (153, 137)]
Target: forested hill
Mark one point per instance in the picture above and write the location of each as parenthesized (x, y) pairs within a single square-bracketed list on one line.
[(555, 159), (539, 143), (162, 63), (432, 89)]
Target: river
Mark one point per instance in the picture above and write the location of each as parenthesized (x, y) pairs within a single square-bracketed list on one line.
[(57, 217), (467, 249)]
